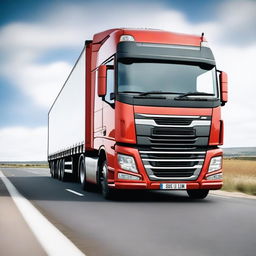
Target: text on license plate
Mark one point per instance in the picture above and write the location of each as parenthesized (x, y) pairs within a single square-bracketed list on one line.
[(173, 186)]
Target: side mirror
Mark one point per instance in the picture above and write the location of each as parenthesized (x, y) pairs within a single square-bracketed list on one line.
[(224, 87), (102, 80)]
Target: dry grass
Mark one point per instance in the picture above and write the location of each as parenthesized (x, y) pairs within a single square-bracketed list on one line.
[(240, 175), (24, 165)]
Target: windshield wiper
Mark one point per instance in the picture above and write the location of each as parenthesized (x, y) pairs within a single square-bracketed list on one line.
[(142, 95), (184, 95), (129, 92), (156, 92)]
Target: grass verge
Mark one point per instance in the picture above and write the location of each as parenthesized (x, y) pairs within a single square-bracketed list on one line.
[(240, 175), (24, 165)]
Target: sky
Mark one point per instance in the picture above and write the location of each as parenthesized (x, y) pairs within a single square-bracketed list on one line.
[(41, 40)]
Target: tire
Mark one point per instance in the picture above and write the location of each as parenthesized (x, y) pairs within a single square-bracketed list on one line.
[(82, 177), (75, 170), (63, 174), (198, 193), (106, 191), (55, 170), (52, 168), (59, 169)]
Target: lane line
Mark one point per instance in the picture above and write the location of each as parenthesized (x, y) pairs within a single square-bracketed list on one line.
[(50, 238), (74, 192)]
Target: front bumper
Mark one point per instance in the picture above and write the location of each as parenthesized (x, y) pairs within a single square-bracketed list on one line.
[(145, 183)]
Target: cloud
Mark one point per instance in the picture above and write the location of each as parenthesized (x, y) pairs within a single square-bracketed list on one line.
[(238, 19), (42, 82), (23, 144)]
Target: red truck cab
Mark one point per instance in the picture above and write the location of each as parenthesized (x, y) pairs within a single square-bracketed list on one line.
[(153, 113)]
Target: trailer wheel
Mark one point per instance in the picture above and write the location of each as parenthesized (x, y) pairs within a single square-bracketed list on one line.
[(63, 174), (52, 168), (198, 193), (55, 169), (59, 169), (107, 192)]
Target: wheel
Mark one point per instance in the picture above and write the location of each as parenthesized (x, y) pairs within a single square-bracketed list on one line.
[(52, 168), (82, 177), (55, 170), (81, 170), (198, 193), (75, 170), (107, 192), (59, 169), (63, 174)]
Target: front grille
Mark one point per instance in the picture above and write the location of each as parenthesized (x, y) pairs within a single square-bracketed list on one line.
[(173, 121), (171, 146), (163, 131), (168, 165), (173, 132)]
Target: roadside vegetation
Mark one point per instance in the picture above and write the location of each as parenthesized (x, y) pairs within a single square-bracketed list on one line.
[(23, 165), (240, 175)]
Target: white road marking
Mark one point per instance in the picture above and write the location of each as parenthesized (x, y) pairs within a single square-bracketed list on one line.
[(50, 238), (74, 192)]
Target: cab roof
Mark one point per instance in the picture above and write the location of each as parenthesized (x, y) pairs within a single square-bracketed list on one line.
[(150, 36)]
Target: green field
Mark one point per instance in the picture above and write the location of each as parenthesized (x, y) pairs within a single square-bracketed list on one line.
[(240, 175)]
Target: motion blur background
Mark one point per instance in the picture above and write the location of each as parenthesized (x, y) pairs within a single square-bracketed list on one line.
[(41, 40)]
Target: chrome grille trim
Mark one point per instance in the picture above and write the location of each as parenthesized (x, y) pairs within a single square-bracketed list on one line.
[(172, 160), (153, 123), (173, 168), (168, 116), (173, 152)]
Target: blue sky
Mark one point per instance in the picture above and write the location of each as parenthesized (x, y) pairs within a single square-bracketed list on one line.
[(40, 41)]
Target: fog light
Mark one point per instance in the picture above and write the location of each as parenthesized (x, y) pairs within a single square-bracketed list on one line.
[(217, 176), (124, 176), (127, 163), (215, 164)]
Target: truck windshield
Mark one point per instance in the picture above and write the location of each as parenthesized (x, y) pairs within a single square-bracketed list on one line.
[(167, 78)]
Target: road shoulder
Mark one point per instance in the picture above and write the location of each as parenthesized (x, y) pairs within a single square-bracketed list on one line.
[(16, 236), (231, 194)]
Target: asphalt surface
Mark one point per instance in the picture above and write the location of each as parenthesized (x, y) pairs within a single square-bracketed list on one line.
[(140, 223)]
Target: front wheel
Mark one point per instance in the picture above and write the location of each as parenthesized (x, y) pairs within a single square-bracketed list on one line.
[(107, 192), (198, 193)]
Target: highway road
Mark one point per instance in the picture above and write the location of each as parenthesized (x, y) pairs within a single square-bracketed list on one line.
[(139, 223)]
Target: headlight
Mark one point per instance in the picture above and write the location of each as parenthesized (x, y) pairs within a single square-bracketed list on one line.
[(124, 176), (127, 163), (217, 176), (215, 164)]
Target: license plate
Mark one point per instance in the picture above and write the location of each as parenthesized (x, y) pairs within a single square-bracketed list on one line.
[(175, 186)]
